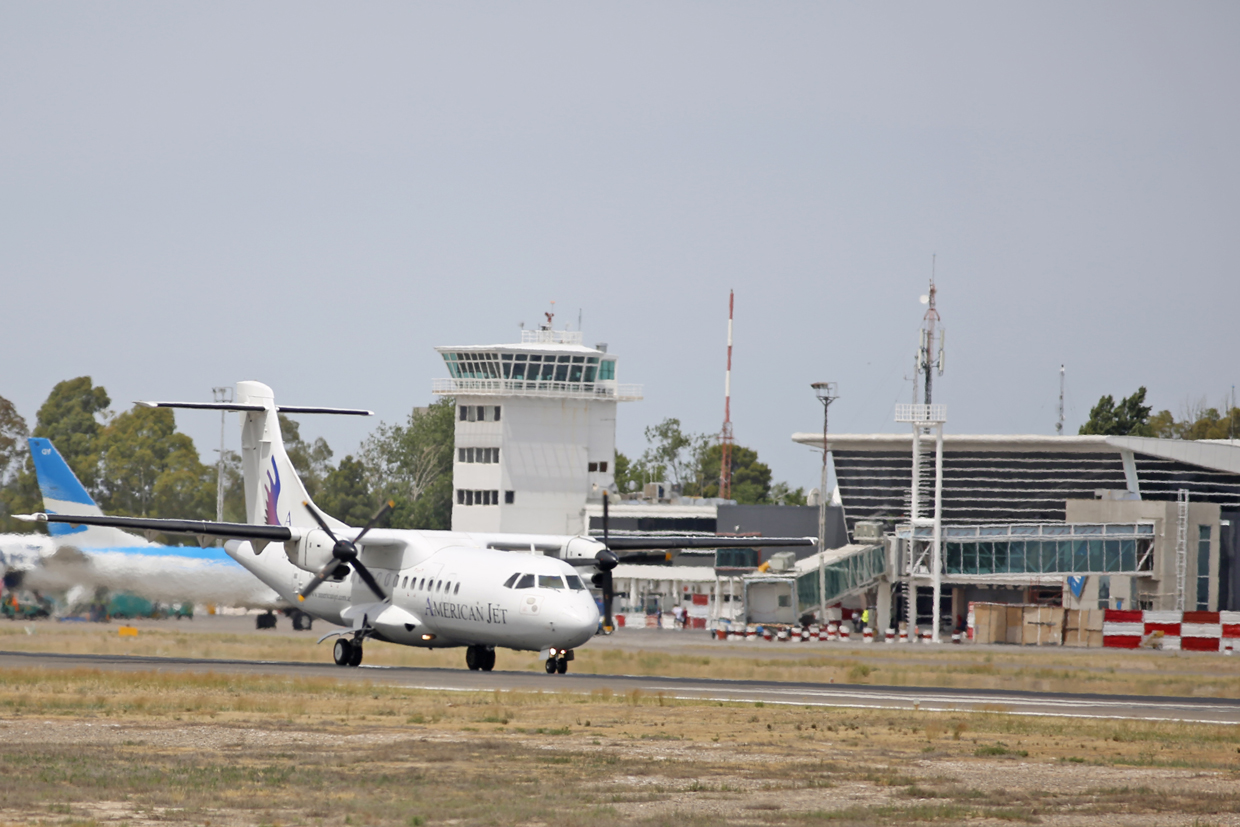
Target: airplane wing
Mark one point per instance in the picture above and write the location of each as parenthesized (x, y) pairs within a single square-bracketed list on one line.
[(658, 543), (197, 528)]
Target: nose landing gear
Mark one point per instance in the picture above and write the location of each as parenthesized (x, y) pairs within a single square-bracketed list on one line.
[(557, 662), (480, 657)]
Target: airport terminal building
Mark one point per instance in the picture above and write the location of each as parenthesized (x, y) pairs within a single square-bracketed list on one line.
[(1100, 521)]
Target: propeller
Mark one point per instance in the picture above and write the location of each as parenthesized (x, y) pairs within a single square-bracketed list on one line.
[(344, 553), (607, 560)]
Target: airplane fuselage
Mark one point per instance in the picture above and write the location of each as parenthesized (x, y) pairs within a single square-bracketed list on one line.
[(446, 596)]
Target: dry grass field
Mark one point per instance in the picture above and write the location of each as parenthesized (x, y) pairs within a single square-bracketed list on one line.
[(85, 748), (80, 748)]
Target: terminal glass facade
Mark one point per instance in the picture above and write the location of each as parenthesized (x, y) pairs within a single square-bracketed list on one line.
[(1045, 549)]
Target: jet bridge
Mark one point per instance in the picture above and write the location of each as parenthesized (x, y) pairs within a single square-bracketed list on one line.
[(815, 581)]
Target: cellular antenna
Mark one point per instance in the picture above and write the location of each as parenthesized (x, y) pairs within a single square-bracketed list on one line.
[(1059, 424), (928, 361), (725, 435)]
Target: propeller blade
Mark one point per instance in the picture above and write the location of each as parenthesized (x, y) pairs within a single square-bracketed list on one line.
[(324, 573), (314, 512), (387, 506), (368, 579), (608, 594)]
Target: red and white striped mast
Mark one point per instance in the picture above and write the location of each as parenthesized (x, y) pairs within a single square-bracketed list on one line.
[(725, 436)]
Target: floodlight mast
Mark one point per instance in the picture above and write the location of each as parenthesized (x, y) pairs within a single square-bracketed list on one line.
[(827, 392)]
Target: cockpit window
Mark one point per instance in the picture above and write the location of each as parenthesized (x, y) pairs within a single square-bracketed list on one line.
[(574, 583), (550, 581), (526, 582), (508, 583)]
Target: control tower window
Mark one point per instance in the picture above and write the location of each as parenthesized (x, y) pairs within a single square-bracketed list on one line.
[(607, 370), (518, 370)]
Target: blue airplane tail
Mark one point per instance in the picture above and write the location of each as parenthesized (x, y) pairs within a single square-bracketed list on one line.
[(63, 493)]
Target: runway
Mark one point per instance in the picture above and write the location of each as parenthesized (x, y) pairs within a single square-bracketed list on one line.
[(930, 699)]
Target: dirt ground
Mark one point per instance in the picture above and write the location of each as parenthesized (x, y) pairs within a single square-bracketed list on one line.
[(83, 748)]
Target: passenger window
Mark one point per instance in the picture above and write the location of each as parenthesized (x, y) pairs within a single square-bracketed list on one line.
[(526, 582), (422, 585), (404, 583), (457, 590), (550, 581), (574, 583), (508, 583)]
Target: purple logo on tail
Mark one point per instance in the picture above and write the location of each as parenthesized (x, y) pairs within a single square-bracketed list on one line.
[(273, 494)]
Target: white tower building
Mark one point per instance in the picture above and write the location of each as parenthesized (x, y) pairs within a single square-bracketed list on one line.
[(535, 431)]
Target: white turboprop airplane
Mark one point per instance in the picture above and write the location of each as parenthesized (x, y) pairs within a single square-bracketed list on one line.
[(418, 588), (77, 561)]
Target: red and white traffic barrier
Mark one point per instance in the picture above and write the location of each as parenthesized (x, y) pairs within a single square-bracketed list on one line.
[(891, 635), (867, 634), (1190, 631), (844, 633)]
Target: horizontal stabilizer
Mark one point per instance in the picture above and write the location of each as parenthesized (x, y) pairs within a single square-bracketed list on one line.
[(629, 543), (237, 406), (200, 528)]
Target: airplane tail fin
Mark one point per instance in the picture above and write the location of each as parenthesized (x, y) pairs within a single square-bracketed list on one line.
[(274, 494), (63, 493)]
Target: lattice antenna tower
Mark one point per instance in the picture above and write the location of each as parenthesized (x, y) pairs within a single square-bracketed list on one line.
[(725, 435), (1059, 422), (928, 360)]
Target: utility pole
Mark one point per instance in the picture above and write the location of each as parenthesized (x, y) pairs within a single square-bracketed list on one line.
[(725, 435), (1059, 423), (827, 392), (221, 395)]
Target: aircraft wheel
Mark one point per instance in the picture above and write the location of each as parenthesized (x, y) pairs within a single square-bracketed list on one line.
[(561, 665), (355, 658), (551, 666), (472, 659), (488, 660), (342, 652)]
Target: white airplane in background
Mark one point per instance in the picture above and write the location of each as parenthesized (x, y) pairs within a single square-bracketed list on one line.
[(77, 561), (418, 588)]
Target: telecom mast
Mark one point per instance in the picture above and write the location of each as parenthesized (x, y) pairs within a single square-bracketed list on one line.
[(725, 436), (927, 360), (1059, 424)]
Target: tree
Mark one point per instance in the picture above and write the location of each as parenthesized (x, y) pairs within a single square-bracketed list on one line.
[(411, 464), (1130, 417), (623, 473), (147, 468), (312, 462), (345, 493), (751, 479), (70, 419), (1199, 422), (784, 494), (670, 449), (13, 433)]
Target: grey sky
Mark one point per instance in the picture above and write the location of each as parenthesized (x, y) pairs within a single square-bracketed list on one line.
[(315, 195)]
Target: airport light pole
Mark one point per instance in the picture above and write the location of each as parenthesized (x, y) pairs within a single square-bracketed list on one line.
[(827, 392), (221, 395)]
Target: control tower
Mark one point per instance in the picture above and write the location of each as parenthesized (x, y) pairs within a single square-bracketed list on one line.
[(535, 431)]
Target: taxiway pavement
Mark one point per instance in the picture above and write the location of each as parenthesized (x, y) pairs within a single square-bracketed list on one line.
[(1148, 708)]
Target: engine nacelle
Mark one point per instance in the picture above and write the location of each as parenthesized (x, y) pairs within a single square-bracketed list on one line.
[(312, 552), (581, 548)]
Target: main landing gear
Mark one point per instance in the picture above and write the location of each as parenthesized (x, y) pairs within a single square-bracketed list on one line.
[(557, 664), (347, 652), (480, 657)]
